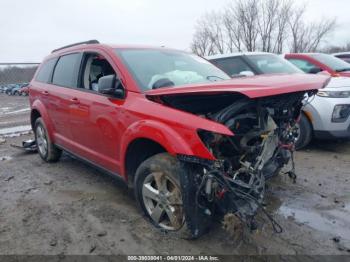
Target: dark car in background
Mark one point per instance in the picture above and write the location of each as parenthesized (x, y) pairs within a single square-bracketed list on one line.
[(343, 55), (252, 63), (8, 88), (12, 89), (16, 90)]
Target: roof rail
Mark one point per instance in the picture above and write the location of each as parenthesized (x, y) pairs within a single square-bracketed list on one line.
[(80, 43)]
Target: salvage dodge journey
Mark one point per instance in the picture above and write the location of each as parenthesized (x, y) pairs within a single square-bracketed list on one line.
[(192, 143)]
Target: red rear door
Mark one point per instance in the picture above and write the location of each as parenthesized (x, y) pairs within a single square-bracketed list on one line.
[(64, 80)]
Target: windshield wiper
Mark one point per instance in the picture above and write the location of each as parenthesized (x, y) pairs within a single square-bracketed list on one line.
[(209, 77), (238, 76)]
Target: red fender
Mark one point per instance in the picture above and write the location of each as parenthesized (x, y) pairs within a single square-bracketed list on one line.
[(173, 142), (38, 105)]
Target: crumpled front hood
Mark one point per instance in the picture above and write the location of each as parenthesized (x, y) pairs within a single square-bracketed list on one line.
[(252, 87)]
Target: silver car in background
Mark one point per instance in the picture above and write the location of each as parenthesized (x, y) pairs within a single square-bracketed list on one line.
[(325, 115)]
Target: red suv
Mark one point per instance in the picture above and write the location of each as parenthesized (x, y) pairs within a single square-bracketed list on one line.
[(313, 63), (189, 140)]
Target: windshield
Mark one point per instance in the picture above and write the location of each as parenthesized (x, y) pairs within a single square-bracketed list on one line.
[(154, 68), (272, 64), (332, 62)]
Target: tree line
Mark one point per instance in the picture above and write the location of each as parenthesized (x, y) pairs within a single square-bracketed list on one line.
[(259, 25), (16, 74)]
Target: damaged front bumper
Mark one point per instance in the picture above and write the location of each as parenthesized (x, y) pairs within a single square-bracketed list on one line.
[(240, 193)]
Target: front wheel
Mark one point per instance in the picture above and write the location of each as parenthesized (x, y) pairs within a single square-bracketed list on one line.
[(304, 133), (160, 196), (47, 150)]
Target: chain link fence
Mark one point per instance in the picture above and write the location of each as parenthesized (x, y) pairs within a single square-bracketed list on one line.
[(14, 73)]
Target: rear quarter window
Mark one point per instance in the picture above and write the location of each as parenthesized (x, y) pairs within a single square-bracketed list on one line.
[(45, 71), (67, 70)]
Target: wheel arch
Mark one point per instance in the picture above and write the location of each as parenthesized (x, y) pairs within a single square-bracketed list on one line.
[(309, 117), (39, 110), (148, 138), (137, 152)]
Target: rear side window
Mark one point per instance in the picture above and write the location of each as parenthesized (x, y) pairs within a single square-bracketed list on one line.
[(66, 70), (45, 71), (232, 66)]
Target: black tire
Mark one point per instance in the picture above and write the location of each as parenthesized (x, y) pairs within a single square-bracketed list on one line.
[(305, 133), (178, 173), (52, 153)]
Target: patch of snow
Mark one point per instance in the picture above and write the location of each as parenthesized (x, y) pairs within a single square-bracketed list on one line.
[(17, 111), (8, 131)]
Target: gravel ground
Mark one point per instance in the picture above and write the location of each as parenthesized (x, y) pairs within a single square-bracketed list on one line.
[(70, 208), (14, 111)]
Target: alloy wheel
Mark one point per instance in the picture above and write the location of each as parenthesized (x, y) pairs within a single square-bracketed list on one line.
[(162, 200), (41, 140)]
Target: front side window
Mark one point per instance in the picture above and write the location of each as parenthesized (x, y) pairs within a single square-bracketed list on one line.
[(232, 65), (45, 71), (67, 70), (332, 62), (153, 68), (95, 67), (272, 64)]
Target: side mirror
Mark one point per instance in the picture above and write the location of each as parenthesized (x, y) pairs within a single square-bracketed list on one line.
[(109, 85), (315, 70), (246, 73)]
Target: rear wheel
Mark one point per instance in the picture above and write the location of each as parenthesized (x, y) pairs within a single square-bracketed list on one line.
[(304, 133), (160, 195), (47, 150)]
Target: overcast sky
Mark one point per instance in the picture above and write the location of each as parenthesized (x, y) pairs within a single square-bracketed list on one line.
[(30, 29)]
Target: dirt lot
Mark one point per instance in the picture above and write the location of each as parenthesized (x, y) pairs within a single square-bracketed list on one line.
[(71, 208)]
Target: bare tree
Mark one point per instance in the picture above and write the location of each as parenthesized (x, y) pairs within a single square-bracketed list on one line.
[(246, 13), (264, 25), (233, 33), (268, 19), (233, 29), (202, 43), (319, 31), (329, 49), (307, 37), (209, 35), (283, 14), (214, 22)]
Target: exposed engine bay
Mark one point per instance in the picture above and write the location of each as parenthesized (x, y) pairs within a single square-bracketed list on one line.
[(263, 143)]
